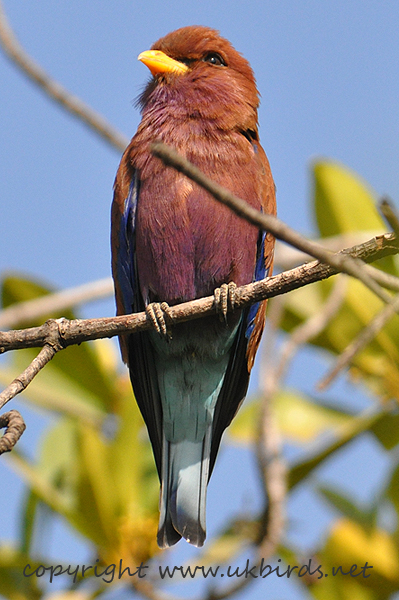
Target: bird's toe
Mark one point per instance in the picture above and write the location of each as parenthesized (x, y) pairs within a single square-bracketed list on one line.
[(158, 314), (225, 297)]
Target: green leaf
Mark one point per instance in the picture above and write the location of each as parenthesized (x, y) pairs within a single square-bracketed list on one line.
[(378, 362), (386, 431), (346, 433), (393, 489), (37, 482), (95, 456), (131, 459), (300, 419), (344, 205), (343, 202), (28, 520), (17, 288), (348, 508), (57, 479)]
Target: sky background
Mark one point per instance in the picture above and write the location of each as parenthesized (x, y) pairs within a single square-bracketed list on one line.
[(328, 77)]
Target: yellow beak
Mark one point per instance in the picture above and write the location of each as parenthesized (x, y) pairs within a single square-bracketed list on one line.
[(159, 62)]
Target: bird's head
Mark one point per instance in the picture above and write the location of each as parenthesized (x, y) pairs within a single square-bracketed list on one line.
[(200, 75)]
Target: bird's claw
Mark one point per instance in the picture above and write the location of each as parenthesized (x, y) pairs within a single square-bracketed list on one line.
[(225, 297), (159, 315)]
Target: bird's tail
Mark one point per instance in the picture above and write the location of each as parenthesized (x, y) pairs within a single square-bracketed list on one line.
[(185, 473)]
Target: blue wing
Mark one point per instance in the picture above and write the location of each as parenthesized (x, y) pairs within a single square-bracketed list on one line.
[(261, 271), (136, 349), (126, 261)]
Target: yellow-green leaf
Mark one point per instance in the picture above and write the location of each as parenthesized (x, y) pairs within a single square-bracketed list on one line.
[(302, 420), (343, 202)]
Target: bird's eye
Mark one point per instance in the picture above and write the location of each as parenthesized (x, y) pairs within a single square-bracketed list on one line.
[(214, 59)]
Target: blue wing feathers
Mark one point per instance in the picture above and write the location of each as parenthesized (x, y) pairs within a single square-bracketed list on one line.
[(260, 273), (126, 254)]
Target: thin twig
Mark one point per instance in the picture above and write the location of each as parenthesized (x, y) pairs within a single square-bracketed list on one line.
[(267, 222), (31, 310), (386, 280), (15, 426), (274, 475), (55, 90), (52, 345), (21, 382), (389, 212), (286, 257), (364, 337)]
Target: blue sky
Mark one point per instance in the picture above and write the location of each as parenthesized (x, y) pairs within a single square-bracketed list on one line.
[(327, 72)]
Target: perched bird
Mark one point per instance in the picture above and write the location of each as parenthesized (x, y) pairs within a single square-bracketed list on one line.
[(172, 242)]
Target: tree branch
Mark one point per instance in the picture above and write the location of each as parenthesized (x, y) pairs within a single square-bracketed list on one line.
[(24, 312), (55, 90), (81, 330)]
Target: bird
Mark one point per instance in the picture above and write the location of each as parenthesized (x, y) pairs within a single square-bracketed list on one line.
[(172, 242)]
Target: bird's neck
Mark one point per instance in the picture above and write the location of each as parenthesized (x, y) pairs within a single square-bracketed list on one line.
[(207, 110)]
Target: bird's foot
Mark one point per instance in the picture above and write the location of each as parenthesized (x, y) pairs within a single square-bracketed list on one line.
[(158, 313), (225, 297)]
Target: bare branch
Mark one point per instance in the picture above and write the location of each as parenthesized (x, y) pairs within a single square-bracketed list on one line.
[(54, 335), (386, 280), (15, 426), (266, 222), (31, 310), (55, 90), (286, 257), (81, 330), (274, 475)]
